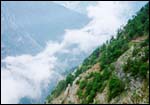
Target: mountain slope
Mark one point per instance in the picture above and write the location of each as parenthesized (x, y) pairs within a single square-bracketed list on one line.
[(27, 26), (116, 72)]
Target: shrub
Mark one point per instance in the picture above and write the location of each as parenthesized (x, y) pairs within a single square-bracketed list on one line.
[(88, 88), (91, 96), (116, 87), (82, 84), (77, 82), (79, 93), (69, 79), (146, 52), (143, 70), (106, 74), (60, 87), (136, 67), (78, 72)]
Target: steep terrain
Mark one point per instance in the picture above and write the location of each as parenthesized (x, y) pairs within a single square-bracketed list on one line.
[(116, 72)]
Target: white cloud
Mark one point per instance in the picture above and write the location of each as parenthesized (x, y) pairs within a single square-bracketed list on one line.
[(107, 17), (12, 87), (26, 75), (84, 40)]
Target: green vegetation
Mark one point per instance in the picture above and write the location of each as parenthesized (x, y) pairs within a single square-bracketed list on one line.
[(59, 88), (96, 83), (145, 42), (107, 73), (146, 52), (69, 79), (82, 84), (143, 70), (77, 82), (88, 62), (136, 27), (139, 25), (79, 93), (116, 87), (137, 68), (112, 51)]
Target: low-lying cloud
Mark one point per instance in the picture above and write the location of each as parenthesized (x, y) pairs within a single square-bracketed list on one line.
[(27, 76)]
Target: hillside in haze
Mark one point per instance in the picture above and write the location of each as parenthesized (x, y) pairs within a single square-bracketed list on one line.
[(116, 72), (28, 26), (26, 29)]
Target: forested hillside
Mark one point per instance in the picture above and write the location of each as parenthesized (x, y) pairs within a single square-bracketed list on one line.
[(116, 72)]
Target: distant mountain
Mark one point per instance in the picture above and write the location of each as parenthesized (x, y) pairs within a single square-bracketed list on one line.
[(27, 26)]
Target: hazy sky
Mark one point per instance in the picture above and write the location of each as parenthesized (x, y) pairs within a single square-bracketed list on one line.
[(27, 76)]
